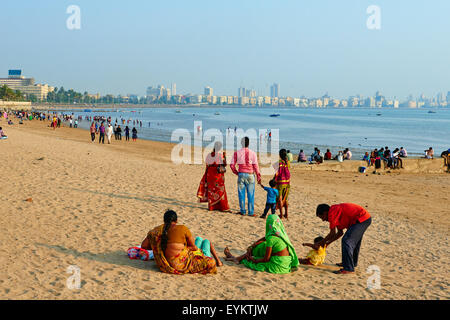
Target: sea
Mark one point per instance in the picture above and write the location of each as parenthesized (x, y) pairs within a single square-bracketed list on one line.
[(359, 129)]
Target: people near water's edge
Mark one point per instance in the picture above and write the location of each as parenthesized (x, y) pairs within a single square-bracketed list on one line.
[(342, 216), (212, 186), (429, 154), (273, 253), (301, 156), (134, 134), (271, 201), (102, 131), (176, 251), (93, 130), (109, 132), (127, 133), (247, 169), (283, 183)]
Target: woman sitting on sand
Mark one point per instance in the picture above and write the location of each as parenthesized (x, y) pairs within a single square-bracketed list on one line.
[(212, 186), (274, 253), (2, 134), (175, 250)]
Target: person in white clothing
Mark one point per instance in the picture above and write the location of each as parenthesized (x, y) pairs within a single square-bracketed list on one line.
[(109, 132)]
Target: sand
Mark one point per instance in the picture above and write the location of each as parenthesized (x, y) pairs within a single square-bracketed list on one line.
[(90, 203)]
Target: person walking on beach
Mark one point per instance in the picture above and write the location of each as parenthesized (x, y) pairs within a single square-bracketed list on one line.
[(134, 134), (248, 166), (342, 216), (119, 133), (93, 130), (127, 133), (102, 134), (109, 132)]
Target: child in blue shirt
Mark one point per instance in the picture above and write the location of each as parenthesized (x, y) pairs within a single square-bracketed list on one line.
[(272, 195)]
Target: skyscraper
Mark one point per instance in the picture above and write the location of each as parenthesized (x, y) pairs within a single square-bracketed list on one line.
[(208, 91), (241, 92), (174, 89), (275, 90)]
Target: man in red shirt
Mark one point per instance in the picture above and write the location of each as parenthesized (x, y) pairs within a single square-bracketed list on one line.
[(342, 216)]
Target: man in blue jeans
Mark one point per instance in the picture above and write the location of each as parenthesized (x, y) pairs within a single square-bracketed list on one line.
[(248, 166)]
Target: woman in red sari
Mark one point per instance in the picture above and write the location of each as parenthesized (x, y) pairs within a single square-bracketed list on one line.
[(212, 185)]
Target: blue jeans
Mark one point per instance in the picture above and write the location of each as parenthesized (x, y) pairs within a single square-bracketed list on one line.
[(351, 243), (246, 184)]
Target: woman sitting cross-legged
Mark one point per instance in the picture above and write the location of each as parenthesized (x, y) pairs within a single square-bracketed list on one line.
[(176, 251), (274, 253)]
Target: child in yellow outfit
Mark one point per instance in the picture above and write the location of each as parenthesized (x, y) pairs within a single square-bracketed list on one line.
[(314, 257)]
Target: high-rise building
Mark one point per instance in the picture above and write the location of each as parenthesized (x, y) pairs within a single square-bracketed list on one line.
[(275, 90), (241, 92), (174, 89), (16, 81), (208, 91)]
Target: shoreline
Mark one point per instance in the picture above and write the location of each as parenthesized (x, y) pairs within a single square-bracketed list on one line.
[(411, 164)]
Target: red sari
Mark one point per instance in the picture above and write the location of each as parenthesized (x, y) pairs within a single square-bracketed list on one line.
[(212, 185)]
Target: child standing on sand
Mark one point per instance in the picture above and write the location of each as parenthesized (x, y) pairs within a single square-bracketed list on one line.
[(314, 257), (283, 183), (272, 195)]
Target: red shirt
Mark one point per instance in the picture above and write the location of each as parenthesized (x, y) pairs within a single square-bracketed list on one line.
[(345, 215)]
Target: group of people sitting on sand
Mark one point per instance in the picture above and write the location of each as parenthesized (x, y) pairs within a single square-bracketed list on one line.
[(318, 157), (390, 159), (175, 250)]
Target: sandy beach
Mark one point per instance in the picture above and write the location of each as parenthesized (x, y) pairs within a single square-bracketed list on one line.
[(91, 202)]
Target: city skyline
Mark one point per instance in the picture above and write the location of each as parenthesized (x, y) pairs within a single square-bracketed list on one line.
[(308, 48)]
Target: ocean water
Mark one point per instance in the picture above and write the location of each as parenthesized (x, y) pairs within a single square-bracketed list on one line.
[(360, 129)]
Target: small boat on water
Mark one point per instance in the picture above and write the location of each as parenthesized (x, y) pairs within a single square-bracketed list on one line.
[(217, 113), (177, 111), (275, 115), (431, 111), (378, 114)]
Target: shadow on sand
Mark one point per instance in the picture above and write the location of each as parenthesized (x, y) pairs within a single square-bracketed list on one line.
[(118, 258), (169, 201)]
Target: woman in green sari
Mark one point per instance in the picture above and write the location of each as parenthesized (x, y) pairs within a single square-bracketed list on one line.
[(274, 253)]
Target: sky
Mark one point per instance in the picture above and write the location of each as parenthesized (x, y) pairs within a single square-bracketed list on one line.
[(309, 47)]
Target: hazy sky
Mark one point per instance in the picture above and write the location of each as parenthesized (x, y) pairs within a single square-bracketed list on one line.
[(308, 47)]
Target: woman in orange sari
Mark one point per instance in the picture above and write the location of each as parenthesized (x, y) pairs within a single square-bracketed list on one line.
[(212, 185), (175, 251)]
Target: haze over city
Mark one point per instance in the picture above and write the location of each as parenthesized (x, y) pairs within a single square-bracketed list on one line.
[(308, 48)]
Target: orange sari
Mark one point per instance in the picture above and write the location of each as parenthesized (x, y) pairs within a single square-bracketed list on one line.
[(186, 261), (212, 185)]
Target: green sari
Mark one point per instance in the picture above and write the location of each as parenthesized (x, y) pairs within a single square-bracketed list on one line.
[(276, 238)]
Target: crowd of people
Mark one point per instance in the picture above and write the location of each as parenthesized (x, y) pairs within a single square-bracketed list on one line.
[(100, 125), (318, 157)]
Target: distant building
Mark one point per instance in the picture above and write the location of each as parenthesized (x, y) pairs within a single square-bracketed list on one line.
[(16, 81), (208, 91), (275, 90), (174, 89)]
